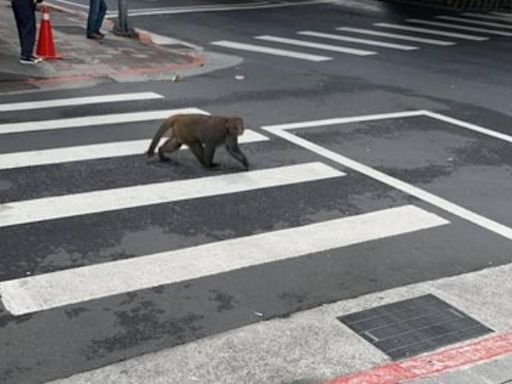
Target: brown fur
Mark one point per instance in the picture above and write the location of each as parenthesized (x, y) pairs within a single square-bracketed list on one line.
[(202, 134)]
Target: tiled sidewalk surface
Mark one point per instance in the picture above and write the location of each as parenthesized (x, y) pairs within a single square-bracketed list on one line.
[(114, 58)]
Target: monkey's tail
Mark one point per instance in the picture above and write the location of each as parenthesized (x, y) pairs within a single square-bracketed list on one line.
[(158, 135)]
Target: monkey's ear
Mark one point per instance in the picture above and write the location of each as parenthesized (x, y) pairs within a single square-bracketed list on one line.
[(235, 126)]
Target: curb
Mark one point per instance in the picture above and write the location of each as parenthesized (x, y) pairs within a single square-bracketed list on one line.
[(435, 363), (145, 37)]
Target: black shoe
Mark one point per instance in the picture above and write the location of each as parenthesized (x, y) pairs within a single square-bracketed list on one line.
[(31, 60), (95, 36)]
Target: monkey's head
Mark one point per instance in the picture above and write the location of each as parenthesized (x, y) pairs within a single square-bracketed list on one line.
[(235, 126)]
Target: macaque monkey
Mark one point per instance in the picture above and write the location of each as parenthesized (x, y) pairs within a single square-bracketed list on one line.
[(202, 134)]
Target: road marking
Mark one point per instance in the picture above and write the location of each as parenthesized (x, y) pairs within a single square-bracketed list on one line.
[(93, 152), (431, 31), (270, 51), (472, 127), (218, 8), (396, 36), (356, 40), (51, 290), (89, 121), (507, 16), (310, 44), (448, 206), (57, 207), (79, 101), (476, 22), (410, 370), (458, 26), (487, 17), (346, 120)]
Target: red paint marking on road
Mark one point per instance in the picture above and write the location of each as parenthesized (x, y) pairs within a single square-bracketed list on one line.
[(432, 363)]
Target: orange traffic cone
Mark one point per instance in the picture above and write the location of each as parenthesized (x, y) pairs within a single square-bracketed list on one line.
[(45, 45)]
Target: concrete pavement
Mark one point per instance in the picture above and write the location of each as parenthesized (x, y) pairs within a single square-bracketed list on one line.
[(88, 62)]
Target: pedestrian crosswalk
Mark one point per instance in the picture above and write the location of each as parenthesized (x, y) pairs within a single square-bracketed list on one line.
[(31, 294), (22, 295), (439, 30)]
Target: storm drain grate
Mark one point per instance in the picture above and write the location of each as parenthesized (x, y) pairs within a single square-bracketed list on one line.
[(410, 327)]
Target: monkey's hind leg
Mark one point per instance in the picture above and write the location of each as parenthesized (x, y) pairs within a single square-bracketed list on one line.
[(198, 151), (169, 146)]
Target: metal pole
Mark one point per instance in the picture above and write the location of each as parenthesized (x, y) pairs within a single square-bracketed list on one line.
[(122, 28)]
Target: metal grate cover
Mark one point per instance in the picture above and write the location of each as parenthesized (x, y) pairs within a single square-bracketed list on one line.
[(410, 327)]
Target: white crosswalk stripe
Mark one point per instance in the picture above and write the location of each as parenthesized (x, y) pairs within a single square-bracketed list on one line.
[(270, 51), (475, 22), (50, 208), (37, 293), (396, 36), (487, 16), (357, 40), (89, 121), (310, 44), (79, 101), (501, 14), (459, 26), (431, 31), (92, 152)]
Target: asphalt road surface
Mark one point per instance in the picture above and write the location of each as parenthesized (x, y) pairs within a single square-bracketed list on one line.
[(372, 167)]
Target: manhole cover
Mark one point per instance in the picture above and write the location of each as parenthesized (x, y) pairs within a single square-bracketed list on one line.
[(413, 326)]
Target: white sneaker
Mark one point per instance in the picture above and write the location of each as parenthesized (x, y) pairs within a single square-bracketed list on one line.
[(30, 60)]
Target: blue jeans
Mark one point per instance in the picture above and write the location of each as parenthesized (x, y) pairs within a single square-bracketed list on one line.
[(24, 13), (97, 10)]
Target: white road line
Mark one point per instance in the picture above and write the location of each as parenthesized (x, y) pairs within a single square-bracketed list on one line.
[(51, 290), (356, 40), (458, 26), (92, 152), (472, 127), (505, 15), (57, 207), (396, 36), (79, 101), (89, 121), (421, 194), (219, 8), (487, 16), (348, 120), (432, 31), (270, 51), (311, 44), (476, 22)]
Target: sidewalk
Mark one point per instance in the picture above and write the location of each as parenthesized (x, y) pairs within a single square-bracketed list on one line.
[(84, 61)]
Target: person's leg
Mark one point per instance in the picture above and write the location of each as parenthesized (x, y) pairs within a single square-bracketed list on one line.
[(92, 20), (101, 15), (24, 13)]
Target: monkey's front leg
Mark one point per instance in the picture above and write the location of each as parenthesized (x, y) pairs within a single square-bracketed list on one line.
[(234, 150), (209, 152)]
